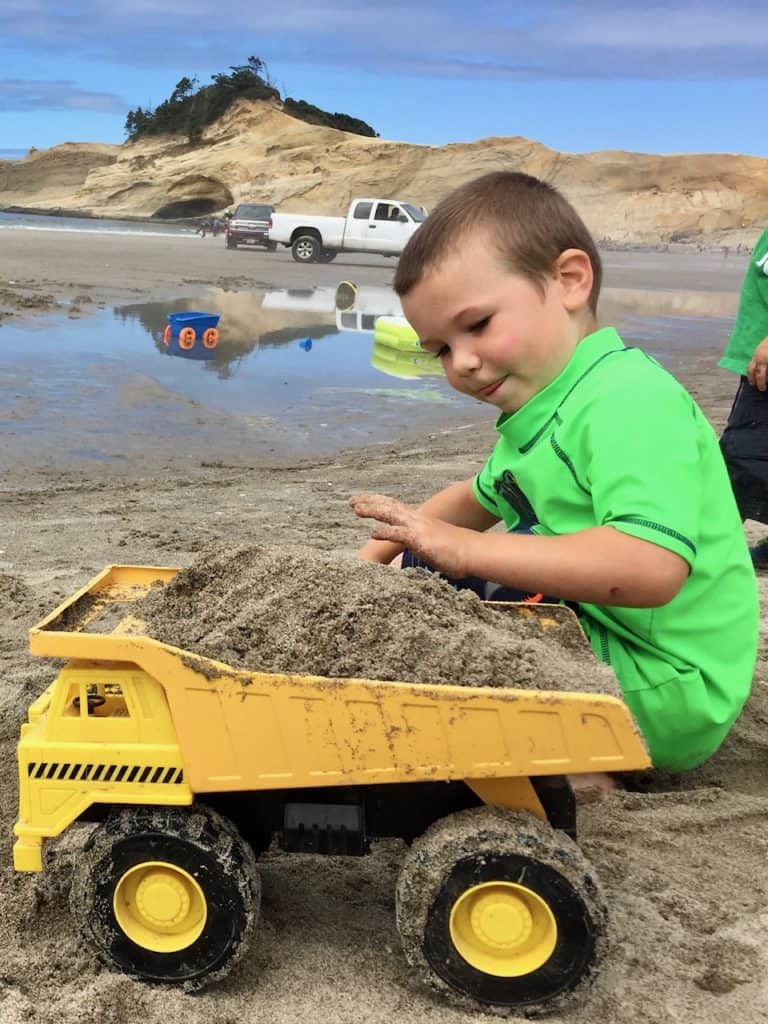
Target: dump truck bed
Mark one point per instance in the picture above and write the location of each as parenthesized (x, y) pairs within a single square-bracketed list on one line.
[(242, 730)]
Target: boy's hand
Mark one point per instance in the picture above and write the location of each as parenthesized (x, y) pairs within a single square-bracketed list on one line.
[(757, 371), (439, 543)]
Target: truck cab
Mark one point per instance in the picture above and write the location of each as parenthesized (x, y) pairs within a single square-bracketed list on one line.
[(381, 225)]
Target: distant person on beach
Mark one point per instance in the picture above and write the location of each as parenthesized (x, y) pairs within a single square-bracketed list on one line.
[(606, 475), (745, 439)]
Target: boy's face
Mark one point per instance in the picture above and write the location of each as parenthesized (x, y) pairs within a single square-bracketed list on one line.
[(499, 338)]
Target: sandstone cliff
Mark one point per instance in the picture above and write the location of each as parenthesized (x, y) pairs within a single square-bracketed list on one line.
[(257, 152)]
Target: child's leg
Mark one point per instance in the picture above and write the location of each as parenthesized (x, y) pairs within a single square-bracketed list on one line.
[(743, 445), (591, 786)]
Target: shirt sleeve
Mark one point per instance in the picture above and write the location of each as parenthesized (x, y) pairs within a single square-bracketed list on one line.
[(645, 465), (751, 325)]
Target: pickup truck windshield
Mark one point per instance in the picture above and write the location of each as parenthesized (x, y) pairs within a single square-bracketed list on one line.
[(253, 212), (414, 212)]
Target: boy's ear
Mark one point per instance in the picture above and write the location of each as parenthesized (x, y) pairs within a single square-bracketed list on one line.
[(573, 269)]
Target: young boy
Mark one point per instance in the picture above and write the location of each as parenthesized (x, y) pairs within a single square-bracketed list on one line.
[(603, 458)]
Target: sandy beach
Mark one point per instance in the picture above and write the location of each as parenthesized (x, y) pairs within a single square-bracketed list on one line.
[(682, 862)]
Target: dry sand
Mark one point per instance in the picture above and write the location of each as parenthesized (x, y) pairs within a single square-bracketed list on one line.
[(278, 609), (682, 865)]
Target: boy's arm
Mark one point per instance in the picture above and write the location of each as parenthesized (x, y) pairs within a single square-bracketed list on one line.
[(455, 504), (596, 566)]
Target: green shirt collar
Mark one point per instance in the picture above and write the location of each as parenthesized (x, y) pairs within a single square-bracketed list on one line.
[(522, 426)]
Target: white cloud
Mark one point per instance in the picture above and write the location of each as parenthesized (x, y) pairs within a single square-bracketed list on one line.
[(487, 39), (20, 95)]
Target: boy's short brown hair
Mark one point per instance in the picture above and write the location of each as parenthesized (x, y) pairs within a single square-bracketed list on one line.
[(530, 222)]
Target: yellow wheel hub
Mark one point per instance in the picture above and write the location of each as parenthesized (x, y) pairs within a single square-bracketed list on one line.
[(503, 929), (160, 907)]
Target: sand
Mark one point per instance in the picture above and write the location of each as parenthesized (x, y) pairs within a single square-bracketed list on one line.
[(294, 610), (682, 864)]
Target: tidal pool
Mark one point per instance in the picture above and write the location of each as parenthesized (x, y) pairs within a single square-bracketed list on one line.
[(293, 372), (106, 385)]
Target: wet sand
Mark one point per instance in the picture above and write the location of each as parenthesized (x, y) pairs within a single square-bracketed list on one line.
[(683, 868), (50, 267)]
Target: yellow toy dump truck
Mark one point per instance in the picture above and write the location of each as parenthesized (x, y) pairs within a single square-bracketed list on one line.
[(191, 768)]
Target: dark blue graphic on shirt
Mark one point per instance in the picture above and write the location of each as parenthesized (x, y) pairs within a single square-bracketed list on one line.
[(508, 489)]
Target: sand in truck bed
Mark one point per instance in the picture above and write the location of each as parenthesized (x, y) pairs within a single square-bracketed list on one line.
[(295, 610)]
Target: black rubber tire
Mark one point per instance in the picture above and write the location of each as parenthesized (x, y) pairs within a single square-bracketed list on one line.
[(491, 844), (327, 256), (204, 844), (306, 249)]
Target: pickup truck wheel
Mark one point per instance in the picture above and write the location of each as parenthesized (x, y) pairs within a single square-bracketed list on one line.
[(497, 908), (167, 894), (306, 249), (327, 256)]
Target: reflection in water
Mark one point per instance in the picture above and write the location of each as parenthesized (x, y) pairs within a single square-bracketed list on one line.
[(253, 322), (282, 388), (244, 327), (315, 300), (397, 352), (618, 303), (366, 308), (292, 376), (356, 307), (196, 351), (405, 365)]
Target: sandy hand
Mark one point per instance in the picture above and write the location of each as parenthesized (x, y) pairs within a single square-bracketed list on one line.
[(441, 544)]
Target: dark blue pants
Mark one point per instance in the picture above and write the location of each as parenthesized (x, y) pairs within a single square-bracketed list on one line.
[(744, 445), (485, 589)]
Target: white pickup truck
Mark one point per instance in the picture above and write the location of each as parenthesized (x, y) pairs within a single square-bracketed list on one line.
[(372, 225)]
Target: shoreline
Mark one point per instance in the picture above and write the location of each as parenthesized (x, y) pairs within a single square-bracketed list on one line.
[(705, 243), (60, 211)]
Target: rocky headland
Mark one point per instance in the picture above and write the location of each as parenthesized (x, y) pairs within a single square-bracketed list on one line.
[(258, 152)]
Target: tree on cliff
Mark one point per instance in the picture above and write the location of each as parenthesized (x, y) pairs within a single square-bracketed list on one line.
[(314, 115), (188, 110)]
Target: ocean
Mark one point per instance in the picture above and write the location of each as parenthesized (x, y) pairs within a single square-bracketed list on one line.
[(92, 225)]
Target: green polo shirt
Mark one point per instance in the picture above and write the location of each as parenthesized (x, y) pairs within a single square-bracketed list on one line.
[(752, 320), (616, 441)]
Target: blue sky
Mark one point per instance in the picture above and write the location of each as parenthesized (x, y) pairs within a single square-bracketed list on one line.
[(578, 75)]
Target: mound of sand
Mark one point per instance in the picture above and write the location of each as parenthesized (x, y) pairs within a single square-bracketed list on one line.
[(299, 611)]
